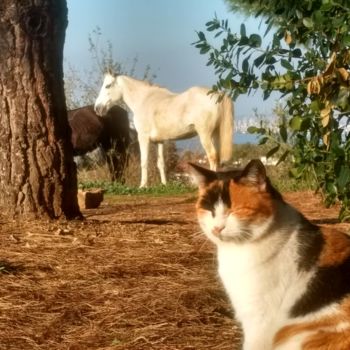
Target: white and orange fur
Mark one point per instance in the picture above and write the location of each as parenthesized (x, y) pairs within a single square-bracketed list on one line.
[(288, 280)]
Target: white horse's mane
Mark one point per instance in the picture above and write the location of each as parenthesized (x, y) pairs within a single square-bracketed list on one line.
[(146, 82)]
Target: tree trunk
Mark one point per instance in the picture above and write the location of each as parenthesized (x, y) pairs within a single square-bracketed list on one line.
[(37, 172)]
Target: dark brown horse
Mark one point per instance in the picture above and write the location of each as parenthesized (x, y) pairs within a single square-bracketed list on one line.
[(111, 133)]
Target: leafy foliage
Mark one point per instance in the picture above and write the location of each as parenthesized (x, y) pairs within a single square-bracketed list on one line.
[(307, 62)]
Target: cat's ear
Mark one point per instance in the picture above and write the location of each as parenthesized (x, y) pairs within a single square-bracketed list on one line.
[(201, 176), (255, 174)]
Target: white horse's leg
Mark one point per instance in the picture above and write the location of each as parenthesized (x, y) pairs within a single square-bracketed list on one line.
[(161, 163), (144, 147), (210, 150)]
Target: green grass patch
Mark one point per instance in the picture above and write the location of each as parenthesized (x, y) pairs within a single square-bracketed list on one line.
[(290, 184), (116, 188), (284, 182)]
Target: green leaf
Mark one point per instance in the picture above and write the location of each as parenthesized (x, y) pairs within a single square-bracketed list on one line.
[(314, 106), (226, 24), (318, 17), (218, 34), (268, 28), (204, 49), (283, 157), (296, 172), (342, 99), (276, 41), (286, 64), (243, 41), (346, 40), (308, 22), (259, 60), (270, 59), (212, 25), (295, 123), (253, 130), (201, 36), (263, 140), (331, 187), (243, 31), (266, 94), (296, 53), (245, 65), (283, 133), (343, 178), (255, 40), (264, 85), (299, 14), (272, 151)]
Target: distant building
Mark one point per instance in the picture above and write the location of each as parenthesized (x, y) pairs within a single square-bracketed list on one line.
[(269, 161)]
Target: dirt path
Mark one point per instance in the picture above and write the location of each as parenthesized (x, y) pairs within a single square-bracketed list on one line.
[(136, 274)]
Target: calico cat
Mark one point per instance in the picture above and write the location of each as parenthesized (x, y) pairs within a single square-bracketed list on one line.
[(288, 280)]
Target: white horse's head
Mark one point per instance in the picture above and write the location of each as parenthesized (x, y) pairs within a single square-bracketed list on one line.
[(109, 95)]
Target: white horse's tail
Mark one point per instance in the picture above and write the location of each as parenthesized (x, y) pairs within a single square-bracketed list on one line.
[(226, 129)]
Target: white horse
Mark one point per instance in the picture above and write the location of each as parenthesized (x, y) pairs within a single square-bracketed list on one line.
[(161, 115)]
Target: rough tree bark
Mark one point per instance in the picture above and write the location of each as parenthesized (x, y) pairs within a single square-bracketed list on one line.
[(37, 172)]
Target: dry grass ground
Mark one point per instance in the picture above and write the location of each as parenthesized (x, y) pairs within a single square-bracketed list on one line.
[(136, 274)]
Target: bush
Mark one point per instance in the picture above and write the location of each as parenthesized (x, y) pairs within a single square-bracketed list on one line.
[(307, 60)]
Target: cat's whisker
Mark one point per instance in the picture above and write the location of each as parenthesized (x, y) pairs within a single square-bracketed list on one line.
[(197, 234)]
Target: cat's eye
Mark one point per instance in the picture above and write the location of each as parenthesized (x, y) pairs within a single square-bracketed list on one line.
[(206, 205), (108, 86)]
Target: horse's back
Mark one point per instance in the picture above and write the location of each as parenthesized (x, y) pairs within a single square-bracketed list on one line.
[(201, 96), (86, 128), (84, 117), (198, 107), (89, 130)]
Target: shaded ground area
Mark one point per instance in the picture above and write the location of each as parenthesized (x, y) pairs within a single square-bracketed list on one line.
[(136, 274)]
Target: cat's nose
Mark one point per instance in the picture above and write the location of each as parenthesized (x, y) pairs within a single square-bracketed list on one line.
[(217, 230)]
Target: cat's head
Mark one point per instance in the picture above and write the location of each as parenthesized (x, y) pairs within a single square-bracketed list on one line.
[(236, 205)]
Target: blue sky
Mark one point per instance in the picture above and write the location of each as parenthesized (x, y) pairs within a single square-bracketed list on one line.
[(159, 33)]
